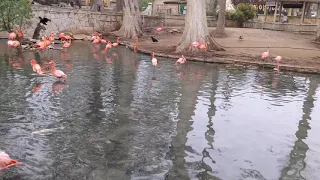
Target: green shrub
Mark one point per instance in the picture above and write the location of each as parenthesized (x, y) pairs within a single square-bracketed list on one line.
[(247, 9), (14, 13), (244, 12)]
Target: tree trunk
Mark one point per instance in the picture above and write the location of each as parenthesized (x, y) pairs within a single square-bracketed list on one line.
[(36, 32), (318, 34), (196, 26), (221, 18), (131, 24)]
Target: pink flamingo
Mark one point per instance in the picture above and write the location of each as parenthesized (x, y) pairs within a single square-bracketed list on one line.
[(265, 55), (6, 161), (109, 45), (13, 35), (51, 37), (36, 67), (15, 43), (278, 60), (181, 60), (67, 44), (197, 43), (154, 60), (103, 41), (136, 46), (204, 47), (160, 28), (21, 35), (116, 43), (56, 73), (10, 43)]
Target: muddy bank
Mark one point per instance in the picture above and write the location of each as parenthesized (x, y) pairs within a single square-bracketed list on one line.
[(298, 52)]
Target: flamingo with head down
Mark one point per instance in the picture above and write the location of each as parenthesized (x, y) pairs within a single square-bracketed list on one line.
[(204, 47), (160, 28), (6, 161), (278, 60), (196, 43), (181, 60), (108, 46), (154, 60), (67, 43), (35, 66)]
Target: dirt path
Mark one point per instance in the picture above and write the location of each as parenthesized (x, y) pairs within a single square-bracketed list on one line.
[(298, 58)]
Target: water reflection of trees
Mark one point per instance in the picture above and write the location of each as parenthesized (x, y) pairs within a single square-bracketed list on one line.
[(209, 135), (188, 100), (298, 154)]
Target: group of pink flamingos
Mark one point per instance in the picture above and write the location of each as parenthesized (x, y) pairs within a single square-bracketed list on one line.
[(46, 41)]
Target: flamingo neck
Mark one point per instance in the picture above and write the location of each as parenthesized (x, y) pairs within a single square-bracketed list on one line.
[(52, 69), (161, 25)]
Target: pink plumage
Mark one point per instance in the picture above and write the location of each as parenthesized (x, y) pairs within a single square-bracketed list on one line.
[(57, 73)]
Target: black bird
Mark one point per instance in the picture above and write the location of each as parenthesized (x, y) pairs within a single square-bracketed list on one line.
[(241, 37), (44, 20), (154, 39)]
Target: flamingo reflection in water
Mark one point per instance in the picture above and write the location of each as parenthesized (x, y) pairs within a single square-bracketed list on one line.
[(36, 87), (58, 86)]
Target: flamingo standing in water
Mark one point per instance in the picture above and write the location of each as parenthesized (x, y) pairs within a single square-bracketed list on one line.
[(35, 66), (57, 73), (278, 60), (14, 43), (51, 37), (115, 44), (13, 35), (6, 161), (67, 44), (181, 60), (154, 60), (265, 55), (136, 46), (108, 46), (160, 28)]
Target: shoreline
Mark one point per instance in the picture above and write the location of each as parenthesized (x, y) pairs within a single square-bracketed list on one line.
[(229, 60)]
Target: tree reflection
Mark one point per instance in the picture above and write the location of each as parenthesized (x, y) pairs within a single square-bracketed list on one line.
[(188, 100), (298, 154)]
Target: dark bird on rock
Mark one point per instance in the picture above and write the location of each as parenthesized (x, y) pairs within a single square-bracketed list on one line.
[(44, 20), (154, 39), (241, 37)]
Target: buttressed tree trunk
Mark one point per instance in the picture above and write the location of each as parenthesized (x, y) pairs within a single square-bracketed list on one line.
[(318, 35), (196, 26), (131, 24), (221, 18)]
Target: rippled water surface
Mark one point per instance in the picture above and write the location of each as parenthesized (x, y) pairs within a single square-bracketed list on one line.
[(116, 117)]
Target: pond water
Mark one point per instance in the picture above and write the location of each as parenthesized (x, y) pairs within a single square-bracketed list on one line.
[(116, 117)]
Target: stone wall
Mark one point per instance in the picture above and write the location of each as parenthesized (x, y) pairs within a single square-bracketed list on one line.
[(73, 20)]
